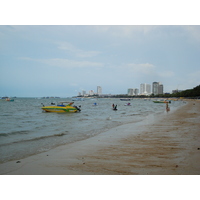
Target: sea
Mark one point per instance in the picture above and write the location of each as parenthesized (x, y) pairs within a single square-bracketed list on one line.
[(25, 129)]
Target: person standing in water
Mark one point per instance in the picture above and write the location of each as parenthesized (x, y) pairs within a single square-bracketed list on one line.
[(167, 107)]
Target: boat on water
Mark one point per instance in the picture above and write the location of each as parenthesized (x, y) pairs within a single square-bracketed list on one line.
[(6, 99), (126, 99), (62, 107), (77, 99), (127, 104), (162, 101)]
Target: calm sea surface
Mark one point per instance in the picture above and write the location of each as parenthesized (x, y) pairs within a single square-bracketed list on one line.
[(26, 130)]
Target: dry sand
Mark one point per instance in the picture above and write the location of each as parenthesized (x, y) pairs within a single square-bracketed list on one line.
[(169, 146)]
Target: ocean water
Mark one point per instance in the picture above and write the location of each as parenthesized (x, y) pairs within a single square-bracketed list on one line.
[(26, 130)]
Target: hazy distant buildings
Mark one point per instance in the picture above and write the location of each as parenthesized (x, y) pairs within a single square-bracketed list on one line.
[(91, 92), (145, 89), (99, 90), (133, 91), (157, 88), (160, 88), (83, 92), (136, 91), (130, 92)]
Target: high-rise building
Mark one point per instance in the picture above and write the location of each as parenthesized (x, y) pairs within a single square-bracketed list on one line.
[(136, 91), (130, 92), (145, 89), (83, 92), (133, 91), (157, 88), (99, 90), (160, 88), (91, 92)]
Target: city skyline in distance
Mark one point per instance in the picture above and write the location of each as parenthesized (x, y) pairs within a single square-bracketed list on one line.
[(145, 89)]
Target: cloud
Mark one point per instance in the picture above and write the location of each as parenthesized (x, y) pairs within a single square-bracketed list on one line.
[(166, 74), (193, 31), (76, 51), (151, 33), (73, 84), (148, 69), (125, 30), (25, 58), (137, 73), (65, 63), (143, 68)]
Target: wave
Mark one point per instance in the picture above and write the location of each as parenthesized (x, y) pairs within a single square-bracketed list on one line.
[(83, 119), (14, 133), (36, 139)]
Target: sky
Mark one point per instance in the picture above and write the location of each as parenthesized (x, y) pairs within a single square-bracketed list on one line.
[(54, 60)]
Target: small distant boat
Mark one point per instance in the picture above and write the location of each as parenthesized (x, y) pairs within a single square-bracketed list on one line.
[(77, 99), (127, 104), (4, 98), (62, 108), (162, 101), (125, 99), (8, 99)]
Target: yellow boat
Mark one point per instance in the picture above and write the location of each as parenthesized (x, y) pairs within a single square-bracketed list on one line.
[(62, 108)]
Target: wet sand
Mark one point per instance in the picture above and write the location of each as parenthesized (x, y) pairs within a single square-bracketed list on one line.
[(168, 146)]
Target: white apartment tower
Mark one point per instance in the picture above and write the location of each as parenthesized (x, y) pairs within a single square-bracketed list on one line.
[(136, 91), (83, 92), (133, 91), (145, 89), (160, 88), (130, 92), (157, 88), (99, 90), (91, 92)]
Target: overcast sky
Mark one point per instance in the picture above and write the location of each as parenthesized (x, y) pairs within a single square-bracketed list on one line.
[(64, 60)]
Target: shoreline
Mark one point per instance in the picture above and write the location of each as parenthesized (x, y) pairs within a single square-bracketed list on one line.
[(168, 146)]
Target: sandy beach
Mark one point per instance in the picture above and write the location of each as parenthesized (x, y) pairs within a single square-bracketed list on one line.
[(168, 146)]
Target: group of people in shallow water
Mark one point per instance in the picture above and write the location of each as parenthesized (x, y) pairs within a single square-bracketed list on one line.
[(167, 107), (114, 107)]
